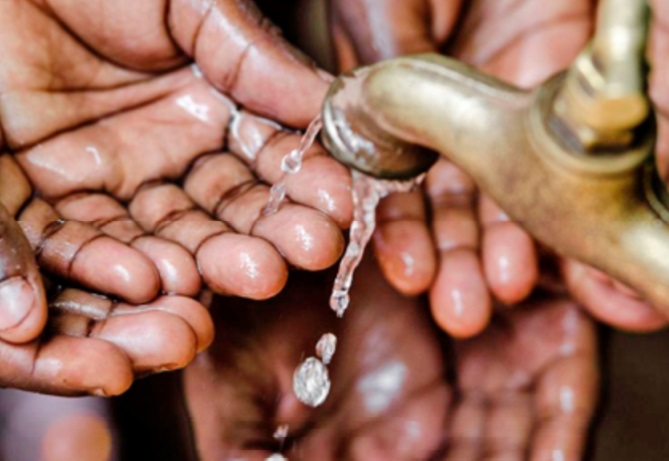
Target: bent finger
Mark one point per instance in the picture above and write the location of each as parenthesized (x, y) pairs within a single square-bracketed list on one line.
[(510, 258), (321, 182), (23, 309), (403, 244), (230, 264), (608, 304), (459, 296), (77, 251), (176, 267), (223, 186)]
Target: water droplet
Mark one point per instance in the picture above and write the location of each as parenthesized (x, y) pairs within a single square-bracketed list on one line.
[(339, 301), (276, 457), (276, 195), (281, 432), (367, 192), (291, 163), (311, 382), (326, 347)]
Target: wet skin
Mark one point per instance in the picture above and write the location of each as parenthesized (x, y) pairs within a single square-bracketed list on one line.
[(525, 389), (132, 162), (471, 254)]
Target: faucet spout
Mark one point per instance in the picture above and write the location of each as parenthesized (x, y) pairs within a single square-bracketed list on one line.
[(388, 120)]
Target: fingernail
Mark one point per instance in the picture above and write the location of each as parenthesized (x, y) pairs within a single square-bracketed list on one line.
[(16, 301)]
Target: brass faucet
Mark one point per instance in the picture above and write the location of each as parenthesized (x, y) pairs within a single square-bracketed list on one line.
[(572, 161)]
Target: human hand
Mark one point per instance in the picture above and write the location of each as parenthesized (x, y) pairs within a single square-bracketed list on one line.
[(124, 140), (121, 119), (528, 384)]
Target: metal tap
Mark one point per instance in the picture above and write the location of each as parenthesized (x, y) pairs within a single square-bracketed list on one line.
[(571, 161)]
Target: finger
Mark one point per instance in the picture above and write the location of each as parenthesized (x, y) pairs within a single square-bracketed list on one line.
[(459, 297), (608, 304), (566, 398), (22, 299), (176, 267), (66, 366), (121, 152), (77, 251), (237, 49), (403, 244), (509, 255), (468, 428), (407, 27), (509, 426), (321, 183), (163, 335), (222, 185), (230, 263)]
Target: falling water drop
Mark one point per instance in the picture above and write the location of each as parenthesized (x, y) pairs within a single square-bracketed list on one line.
[(291, 163), (326, 347), (367, 192), (276, 457), (311, 382)]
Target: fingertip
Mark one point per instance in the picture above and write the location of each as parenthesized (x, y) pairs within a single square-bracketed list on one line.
[(607, 304), (69, 365), (112, 267), (176, 267), (324, 184), (459, 298), (153, 340), (510, 261), (239, 265), (406, 255), (192, 312), (307, 238)]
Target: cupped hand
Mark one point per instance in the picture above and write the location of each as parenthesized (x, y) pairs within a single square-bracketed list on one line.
[(400, 389), (480, 252), (137, 144)]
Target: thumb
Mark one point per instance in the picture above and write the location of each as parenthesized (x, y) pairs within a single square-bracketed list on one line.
[(244, 55), (23, 309)]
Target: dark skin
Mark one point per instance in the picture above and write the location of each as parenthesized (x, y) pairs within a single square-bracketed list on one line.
[(473, 255), (401, 390), (123, 162)]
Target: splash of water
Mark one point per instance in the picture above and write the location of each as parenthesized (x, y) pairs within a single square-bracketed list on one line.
[(291, 163), (367, 192)]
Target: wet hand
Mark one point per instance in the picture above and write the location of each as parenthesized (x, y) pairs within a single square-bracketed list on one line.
[(528, 384), (146, 167)]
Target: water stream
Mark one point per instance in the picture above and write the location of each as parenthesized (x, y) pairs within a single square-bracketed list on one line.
[(311, 381), (367, 192), (291, 163)]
